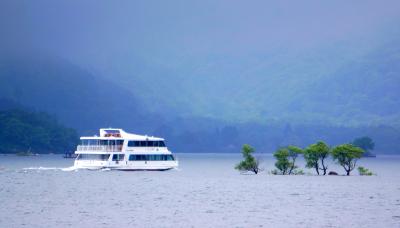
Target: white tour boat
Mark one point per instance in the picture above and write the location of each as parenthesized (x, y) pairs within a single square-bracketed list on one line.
[(117, 149)]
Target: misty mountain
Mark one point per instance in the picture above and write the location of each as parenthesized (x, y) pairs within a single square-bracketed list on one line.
[(335, 85), (86, 101), (365, 91), (72, 94)]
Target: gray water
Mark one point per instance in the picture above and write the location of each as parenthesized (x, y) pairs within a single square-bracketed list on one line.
[(204, 192)]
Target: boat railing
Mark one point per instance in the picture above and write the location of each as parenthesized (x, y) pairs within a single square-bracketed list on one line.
[(101, 148)]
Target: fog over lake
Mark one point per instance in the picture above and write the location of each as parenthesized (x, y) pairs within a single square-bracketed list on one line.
[(268, 74), (214, 78), (204, 192)]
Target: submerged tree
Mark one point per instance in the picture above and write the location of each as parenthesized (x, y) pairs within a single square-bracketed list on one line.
[(347, 155), (315, 156), (286, 159), (365, 143), (294, 152), (282, 161), (249, 163)]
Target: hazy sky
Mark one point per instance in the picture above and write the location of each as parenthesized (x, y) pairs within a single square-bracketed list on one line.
[(208, 57), (107, 29)]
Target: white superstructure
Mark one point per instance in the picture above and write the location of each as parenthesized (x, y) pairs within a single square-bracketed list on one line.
[(117, 149)]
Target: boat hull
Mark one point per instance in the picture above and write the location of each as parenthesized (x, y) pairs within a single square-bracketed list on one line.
[(127, 166)]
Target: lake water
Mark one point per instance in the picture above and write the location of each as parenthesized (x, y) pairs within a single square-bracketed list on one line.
[(204, 192)]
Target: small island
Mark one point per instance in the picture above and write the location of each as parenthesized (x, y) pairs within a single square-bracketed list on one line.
[(315, 155)]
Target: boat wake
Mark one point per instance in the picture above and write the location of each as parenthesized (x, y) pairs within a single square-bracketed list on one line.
[(69, 169), (72, 168), (41, 168)]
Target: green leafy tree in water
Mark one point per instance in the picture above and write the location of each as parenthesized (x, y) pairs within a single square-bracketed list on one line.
[(250, 163), (286, 159), (346, 155), (365, 143), (282, 161), (294, 152), (315, 156)]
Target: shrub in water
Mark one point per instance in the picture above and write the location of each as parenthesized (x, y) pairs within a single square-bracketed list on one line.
[(364, 171), (249, 163), (347, 155)]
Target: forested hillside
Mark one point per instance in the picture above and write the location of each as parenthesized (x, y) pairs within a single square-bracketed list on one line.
[(24, 131), (365, 91), (72, 94), (358, 98), (349, 85)]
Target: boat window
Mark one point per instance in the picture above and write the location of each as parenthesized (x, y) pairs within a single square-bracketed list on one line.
[(100, 157), (151, 157), (145, 143), (155, 157), (138, 157), (118, 157), (107, 142), (137, 143)]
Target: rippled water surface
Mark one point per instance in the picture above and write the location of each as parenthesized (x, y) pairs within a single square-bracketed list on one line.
[(204, 192)]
